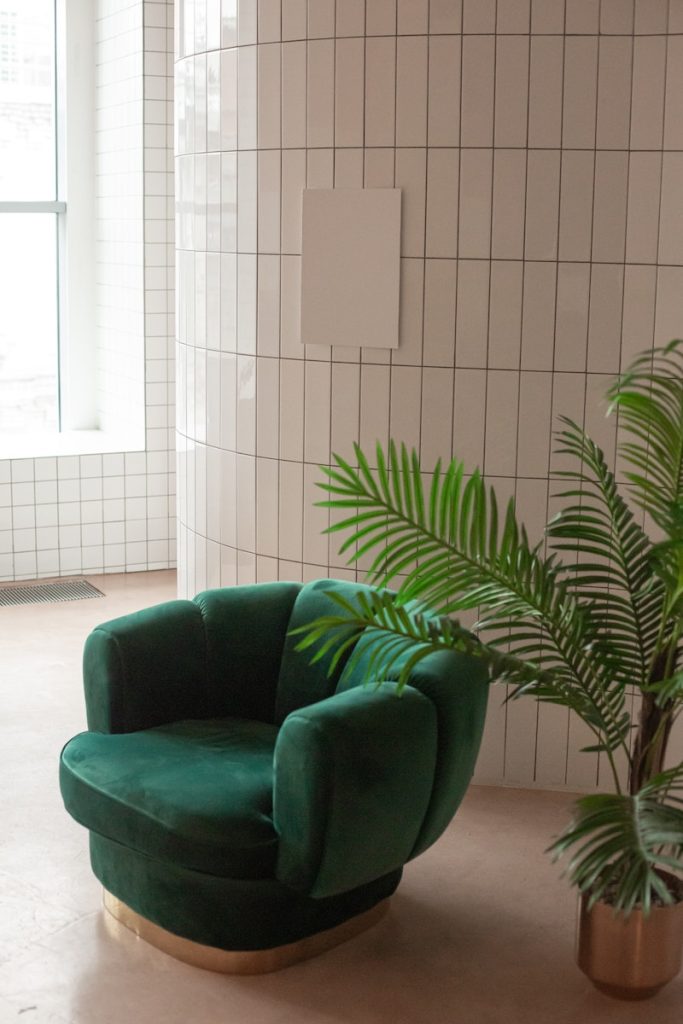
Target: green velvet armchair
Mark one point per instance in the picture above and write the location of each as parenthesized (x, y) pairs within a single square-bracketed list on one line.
[(241, 798)]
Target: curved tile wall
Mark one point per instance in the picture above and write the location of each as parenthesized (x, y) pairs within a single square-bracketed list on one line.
[(537, 146)]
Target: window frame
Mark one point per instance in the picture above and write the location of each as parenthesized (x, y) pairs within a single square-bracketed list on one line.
[(75, 208), (56, 206)]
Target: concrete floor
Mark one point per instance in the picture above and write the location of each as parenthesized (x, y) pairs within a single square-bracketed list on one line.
[(480, 931)]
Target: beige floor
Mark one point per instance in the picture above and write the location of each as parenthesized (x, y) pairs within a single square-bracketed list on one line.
[(480, 930)]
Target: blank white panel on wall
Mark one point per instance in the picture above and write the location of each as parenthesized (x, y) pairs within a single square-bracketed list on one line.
[(350, 267)]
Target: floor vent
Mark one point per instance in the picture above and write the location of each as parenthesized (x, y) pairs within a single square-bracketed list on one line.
[(47, 593)]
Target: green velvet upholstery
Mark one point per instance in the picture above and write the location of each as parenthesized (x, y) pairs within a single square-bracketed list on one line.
[(197, 793), (238, 914), (241, 797), (456, 686), (336, 771), (301, 683), (246, 629), (146, 669)]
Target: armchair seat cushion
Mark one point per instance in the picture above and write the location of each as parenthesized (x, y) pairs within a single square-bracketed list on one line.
[(194, 793)]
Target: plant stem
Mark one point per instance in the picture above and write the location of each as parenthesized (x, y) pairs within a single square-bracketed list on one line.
[(655, 721)]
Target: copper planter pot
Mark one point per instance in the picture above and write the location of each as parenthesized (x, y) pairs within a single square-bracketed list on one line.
[(629, 957)]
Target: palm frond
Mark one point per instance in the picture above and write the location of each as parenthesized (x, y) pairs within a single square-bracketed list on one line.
[(399, 636), (468, 556), (619, 843), (614, 566), (649, 397)]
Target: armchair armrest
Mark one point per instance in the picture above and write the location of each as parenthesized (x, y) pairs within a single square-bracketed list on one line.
[(353, 777), (146, 669)]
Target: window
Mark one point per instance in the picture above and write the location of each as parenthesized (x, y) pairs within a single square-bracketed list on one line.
[(31, 218), (71, 168)]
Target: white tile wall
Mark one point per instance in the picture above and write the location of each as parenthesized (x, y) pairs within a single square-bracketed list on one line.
[(116, 512), (538, 146)]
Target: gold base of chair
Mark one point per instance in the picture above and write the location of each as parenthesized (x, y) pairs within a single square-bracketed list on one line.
[(226, 961)]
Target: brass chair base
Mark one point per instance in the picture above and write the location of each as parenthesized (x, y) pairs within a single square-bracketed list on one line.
[(225, 961)]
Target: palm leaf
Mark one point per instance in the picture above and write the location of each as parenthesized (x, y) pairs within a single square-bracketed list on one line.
[(649, 397), (461, 555), (620, 586), (619, 843), (394, 630), (602, 613)]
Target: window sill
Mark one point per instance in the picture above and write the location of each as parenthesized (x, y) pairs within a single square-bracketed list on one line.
[(70, 442)]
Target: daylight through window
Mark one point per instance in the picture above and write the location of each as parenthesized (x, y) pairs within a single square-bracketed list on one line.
[(30, 213)]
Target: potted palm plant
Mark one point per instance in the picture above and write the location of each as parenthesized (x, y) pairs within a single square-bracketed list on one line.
[(585, 617)]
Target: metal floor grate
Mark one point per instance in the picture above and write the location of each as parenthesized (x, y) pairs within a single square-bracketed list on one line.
[(45, 593)]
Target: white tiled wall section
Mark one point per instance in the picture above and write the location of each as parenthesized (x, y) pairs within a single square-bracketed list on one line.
[(539, 147), (116, 512)]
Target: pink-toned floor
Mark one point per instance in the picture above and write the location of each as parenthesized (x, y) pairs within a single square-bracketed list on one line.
[(480, 931)]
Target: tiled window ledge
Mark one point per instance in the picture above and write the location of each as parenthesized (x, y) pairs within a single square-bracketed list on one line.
[(70, 442)]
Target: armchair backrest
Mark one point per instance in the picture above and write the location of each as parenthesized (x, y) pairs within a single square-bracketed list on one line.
[(301, 683), (245, 630)]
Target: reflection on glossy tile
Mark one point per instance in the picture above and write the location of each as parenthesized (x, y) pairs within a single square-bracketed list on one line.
[(246, 405), (246, 303), (246, 97), (267, 508), (213, 102), (268, 91), (228, 23), (247, 201), (290, 504), (268, 390), (294, 94)]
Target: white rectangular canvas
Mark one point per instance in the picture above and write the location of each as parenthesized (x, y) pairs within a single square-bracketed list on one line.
[(351, 242)]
